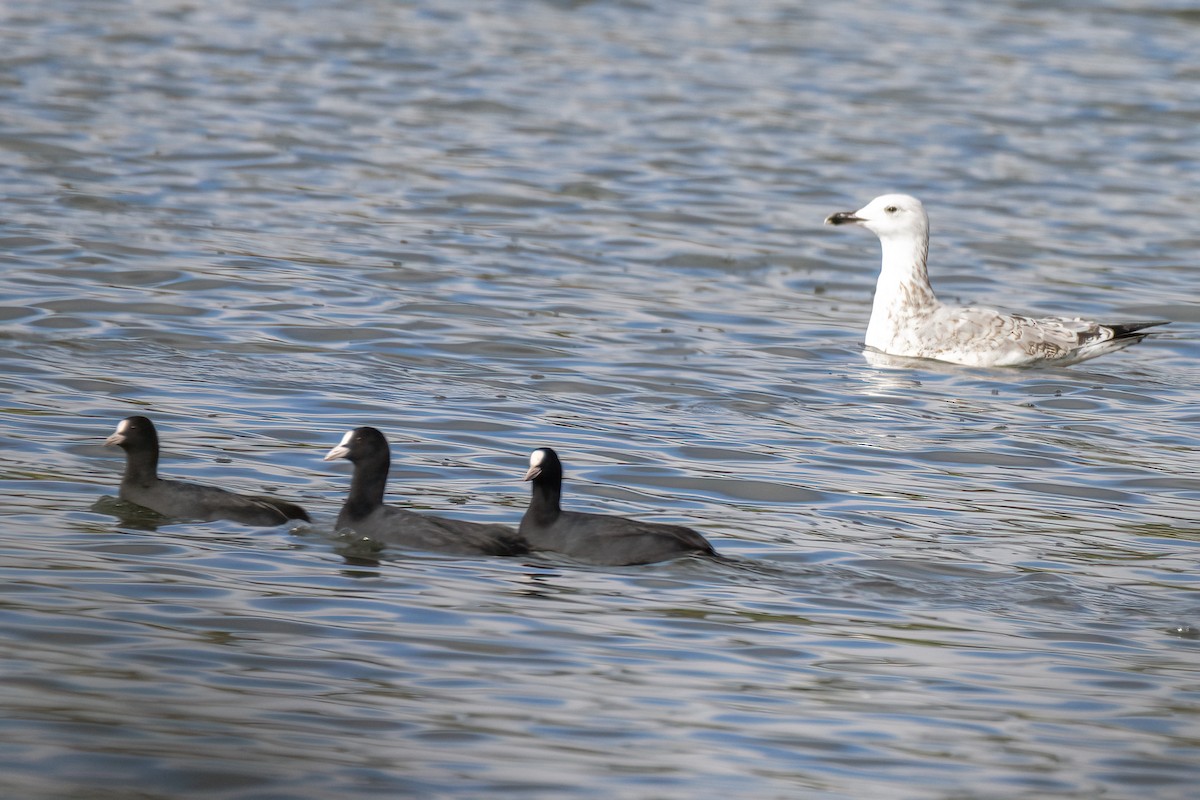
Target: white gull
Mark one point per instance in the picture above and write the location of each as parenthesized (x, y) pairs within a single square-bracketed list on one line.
[(908, 320)]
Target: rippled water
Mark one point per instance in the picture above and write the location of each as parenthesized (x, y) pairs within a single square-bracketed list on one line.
[(489, 227)]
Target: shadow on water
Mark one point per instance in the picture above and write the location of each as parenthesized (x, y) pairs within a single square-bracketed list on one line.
[(130, 515)]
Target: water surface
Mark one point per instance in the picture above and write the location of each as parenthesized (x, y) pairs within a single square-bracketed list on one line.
[(597, 226)]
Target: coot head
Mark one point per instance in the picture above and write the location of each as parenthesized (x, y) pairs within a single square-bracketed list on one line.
[(134, 434), (544, 466), (360, 444)]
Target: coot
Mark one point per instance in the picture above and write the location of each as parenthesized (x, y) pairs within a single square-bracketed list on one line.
[(596, 538), (142, 486), (365, 513)]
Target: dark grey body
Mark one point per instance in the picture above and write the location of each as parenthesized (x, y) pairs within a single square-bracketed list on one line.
[(392, 525), (195, 501)]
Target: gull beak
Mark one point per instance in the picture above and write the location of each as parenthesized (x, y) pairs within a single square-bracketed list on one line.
[(116, 438), (341, 451), (532, 473), (843, 218)]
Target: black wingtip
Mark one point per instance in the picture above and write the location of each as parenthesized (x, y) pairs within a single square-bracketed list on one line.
[(1126, 330)]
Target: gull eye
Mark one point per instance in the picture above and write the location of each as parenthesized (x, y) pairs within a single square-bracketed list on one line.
[(891, 209)]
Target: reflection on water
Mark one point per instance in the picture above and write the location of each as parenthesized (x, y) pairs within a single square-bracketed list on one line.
[(595, 227)]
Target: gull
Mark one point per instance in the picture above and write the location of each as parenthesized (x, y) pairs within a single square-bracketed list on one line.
[(907, 319)]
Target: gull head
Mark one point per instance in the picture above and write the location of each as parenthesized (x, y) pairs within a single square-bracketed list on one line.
[(888, 216)]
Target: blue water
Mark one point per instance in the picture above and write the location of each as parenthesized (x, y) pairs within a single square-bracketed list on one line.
[(485, 228)]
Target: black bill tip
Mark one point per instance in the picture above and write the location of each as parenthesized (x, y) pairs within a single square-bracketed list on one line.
[(842, 218)]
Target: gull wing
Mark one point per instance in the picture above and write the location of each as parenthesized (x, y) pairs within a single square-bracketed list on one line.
[(985, 337)]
